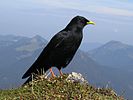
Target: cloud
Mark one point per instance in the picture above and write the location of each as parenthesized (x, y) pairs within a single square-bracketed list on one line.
[(88, 6), (111, 11)]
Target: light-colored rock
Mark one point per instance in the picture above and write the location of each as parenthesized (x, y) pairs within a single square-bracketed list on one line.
[(76, 77)]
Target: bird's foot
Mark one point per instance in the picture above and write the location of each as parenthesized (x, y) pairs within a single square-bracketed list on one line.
[(61, 74), (52, 73)]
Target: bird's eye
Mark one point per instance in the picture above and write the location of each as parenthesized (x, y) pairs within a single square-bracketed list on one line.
[(83, 22)]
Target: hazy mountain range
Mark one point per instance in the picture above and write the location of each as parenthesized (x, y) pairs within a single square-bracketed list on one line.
[(108, 64), (114, 54)]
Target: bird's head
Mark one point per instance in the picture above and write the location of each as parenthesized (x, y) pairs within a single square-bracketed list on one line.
[(79, 22)]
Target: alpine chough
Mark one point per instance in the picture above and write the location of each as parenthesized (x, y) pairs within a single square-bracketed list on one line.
[(61, 48)]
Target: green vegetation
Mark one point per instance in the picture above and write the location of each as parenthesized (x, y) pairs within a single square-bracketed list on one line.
[(58, 89)]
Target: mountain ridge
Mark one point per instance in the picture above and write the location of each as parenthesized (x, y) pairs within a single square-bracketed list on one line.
[(113, 53)]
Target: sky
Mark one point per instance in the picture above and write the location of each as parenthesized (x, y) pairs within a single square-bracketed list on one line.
[(113, 18)]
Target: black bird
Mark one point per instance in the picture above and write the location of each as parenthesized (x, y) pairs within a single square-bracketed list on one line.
[(61, 48)]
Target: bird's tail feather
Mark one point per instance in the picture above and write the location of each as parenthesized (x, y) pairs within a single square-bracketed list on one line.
[(30, 79), (27, 81), (30, 71), (36, 69)]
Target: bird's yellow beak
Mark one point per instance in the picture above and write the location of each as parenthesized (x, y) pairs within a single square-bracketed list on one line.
[(91, 22)]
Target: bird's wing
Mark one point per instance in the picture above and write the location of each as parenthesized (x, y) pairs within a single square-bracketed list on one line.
[(54, 43)]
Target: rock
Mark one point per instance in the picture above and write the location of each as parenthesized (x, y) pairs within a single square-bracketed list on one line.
[(76, 77)]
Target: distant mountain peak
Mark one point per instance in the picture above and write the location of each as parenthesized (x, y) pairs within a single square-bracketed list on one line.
[(114, 42), (113, 53), (38, 38), (32, 44), (113, 45)]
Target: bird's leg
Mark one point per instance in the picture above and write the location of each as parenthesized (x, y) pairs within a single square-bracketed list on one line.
[(60, 72), (53, 75)]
